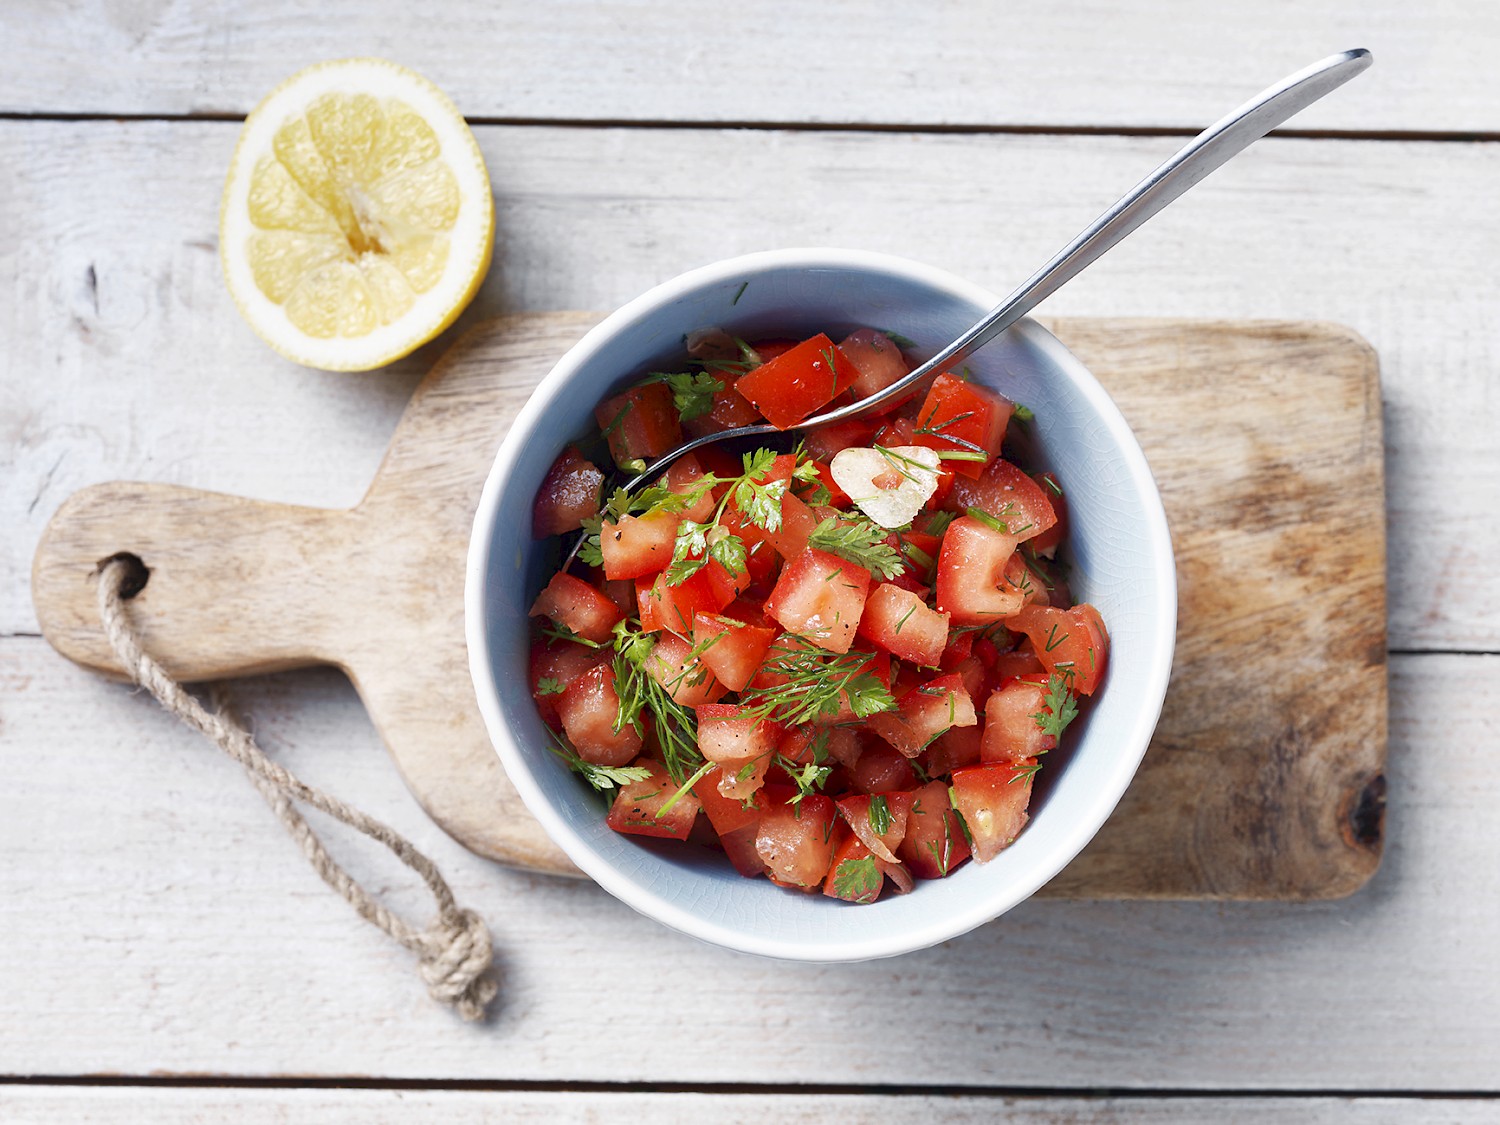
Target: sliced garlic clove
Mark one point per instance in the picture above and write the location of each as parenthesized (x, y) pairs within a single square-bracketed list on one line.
[(888, 485)]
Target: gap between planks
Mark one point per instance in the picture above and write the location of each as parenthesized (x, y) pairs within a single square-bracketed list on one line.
[(936, 129), (1091, 1093)]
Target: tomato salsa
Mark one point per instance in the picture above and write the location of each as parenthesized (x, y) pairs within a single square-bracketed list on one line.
[(844, 661)]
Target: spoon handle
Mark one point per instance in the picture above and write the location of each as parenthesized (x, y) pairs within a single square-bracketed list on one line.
[(1214, 146)]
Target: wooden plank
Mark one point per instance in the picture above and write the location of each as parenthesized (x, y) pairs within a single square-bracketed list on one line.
[(126, 359), (1275, 722), (1167, 63), (157, 920), (62, 1105)]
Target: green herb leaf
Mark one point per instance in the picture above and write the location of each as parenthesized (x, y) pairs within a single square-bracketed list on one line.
[(992, 522), (692, 392), (858, 880), (1061, 708), (880, 815), (1022, 413), (600, 777), (860, 542), (548, 686)]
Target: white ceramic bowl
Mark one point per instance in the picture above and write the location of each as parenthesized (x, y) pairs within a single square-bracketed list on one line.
[(1119, 547)]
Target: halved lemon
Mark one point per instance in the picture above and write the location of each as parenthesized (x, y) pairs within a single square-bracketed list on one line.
[(357, 219)]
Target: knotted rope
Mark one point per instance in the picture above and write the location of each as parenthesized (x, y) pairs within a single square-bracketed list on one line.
[(454, 950)]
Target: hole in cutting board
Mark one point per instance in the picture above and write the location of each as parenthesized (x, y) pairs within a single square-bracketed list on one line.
[(136, 576)]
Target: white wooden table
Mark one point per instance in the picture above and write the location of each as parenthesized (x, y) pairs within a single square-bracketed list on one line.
[(164, 952)]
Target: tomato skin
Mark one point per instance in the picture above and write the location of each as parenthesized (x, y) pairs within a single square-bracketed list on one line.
[(640, 423), (576, 605), (730, 734), (855, 809), (924, 713), (568, 496), (733, 821), (968, 414), (882, 769), (824, 442), (797, 382), (562, 662), (684, 473), (685, 679), (673, 608), (638, 545), (737, 653), (993, 801), (934, 843), (971, 585), (730, 411), (797, 523), (901, 623), (637, 809), (1010, 732), (820, 597), (1072, 642), (1048, 541), (588, 709), (954, 749), (795, 841), (877, 362), (1009, 495)]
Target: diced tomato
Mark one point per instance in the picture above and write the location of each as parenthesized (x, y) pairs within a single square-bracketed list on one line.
[(823, 442), (1070, 641), (960, 415), (1011, 734), (664, 606), (685, 472), (730, 411), (638, 545), (878, 820), (688, 682), (768, 350), (971, 585), (976, 679), (797, 523), (896, 431), (1009, 495), (729, 733), (588, 709), (573, 604), (637, 808), (924, 713), (960, 645), (854, 875), (1048, 541), (733, 820), (568, 496), (953, 750), (993, 801), (731, 649), (1012, 665), (796, 383), (640, 423), (726, 586), (882, 769), (559, 663), (795, 841), (901, 623), (877, 361), (878, 666), (934, 842), (820, 597)]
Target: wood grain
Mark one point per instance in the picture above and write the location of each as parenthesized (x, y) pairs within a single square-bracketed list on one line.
[(1259, 784), (134, 854), (1150, 63)]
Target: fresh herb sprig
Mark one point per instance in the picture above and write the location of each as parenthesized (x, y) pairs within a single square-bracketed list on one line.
[(861, 542), (639, 692), (1059, 706), (759, 500), (600, 777), (815, 683)]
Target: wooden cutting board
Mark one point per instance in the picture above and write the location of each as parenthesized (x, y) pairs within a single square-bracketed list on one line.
[(1265, 778)]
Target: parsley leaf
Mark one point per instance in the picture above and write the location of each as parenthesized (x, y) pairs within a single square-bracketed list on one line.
[(1060, 708), (693, 393), (600, 777), (858, 880), (860, 542), (548, 686)]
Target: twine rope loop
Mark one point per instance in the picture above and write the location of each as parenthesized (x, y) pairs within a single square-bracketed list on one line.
[(454, 951)]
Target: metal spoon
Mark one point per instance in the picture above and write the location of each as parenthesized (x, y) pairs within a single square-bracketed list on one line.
[(1208, 150)]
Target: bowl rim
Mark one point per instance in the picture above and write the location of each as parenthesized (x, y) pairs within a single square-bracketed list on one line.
[(644, 899)]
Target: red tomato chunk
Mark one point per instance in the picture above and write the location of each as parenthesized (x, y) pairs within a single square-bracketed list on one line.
[(852, 707)]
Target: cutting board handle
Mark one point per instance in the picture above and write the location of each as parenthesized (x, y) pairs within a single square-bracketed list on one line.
[(232, 586)]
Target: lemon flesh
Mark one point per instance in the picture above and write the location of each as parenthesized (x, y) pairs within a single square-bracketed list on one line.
[(357, 219)]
